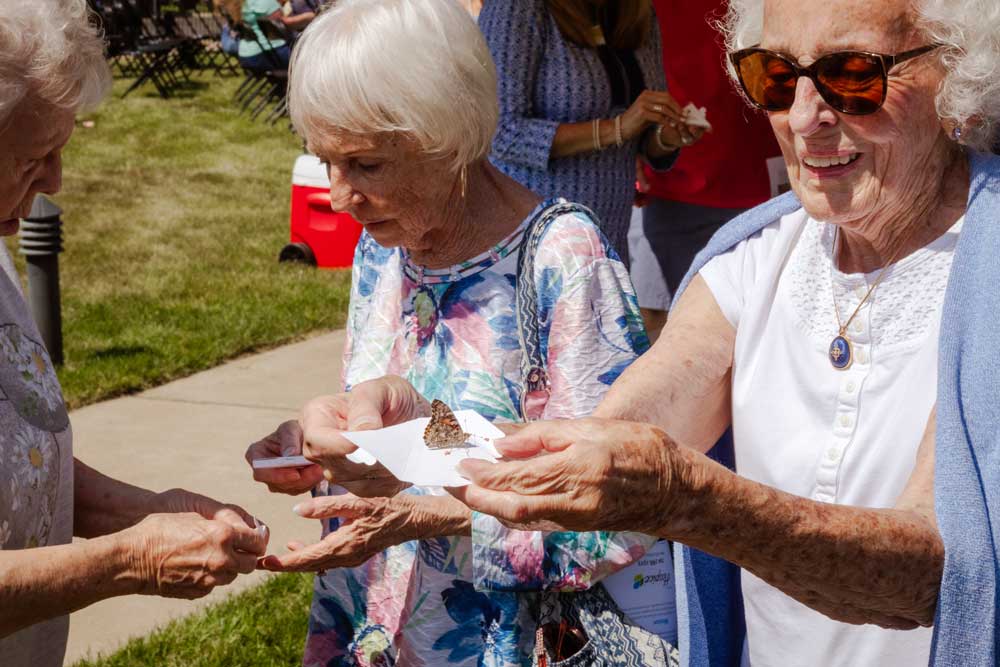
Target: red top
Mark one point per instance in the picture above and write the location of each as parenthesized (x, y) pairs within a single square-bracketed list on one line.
[(727, 168)]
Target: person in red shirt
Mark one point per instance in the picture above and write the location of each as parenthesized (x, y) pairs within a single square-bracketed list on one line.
[(728, 171)]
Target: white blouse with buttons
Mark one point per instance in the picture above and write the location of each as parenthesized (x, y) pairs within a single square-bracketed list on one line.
[(837, 436)]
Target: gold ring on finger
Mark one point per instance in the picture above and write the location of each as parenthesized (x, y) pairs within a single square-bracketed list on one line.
[(658, 108)]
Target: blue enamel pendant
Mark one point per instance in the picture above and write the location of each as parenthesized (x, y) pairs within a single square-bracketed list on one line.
[(841, 354)]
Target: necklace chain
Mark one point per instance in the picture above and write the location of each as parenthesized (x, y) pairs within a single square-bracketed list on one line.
[(843, 327)]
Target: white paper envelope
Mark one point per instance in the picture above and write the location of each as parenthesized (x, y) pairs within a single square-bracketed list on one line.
[(402, 451)]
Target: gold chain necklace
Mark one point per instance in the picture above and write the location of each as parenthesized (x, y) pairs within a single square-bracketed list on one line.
[(841, 350)]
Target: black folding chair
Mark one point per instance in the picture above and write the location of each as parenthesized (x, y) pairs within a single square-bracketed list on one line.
[(200, 23), (139, 46)]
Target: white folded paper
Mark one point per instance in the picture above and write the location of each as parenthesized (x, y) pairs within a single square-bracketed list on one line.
[(402, 451), (695, 116)]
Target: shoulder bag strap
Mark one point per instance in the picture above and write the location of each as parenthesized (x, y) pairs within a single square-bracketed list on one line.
[(535, 380)]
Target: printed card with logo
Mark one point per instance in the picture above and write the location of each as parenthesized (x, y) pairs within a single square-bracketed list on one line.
[(645, 592)]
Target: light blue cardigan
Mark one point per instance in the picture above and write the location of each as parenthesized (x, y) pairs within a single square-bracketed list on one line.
[(967, 452)]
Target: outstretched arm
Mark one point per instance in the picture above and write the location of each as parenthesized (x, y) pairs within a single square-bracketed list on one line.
[(175, 544), (856, 565), (682, 384), (37, 584)]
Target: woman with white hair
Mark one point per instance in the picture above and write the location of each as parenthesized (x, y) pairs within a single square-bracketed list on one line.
[(847, 332), (462, 277), (174, 543)]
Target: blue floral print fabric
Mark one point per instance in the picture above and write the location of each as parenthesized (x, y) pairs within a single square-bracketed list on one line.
[(453, 334)]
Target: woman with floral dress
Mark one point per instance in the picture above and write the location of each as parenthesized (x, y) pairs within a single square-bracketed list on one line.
[(434, 296), (451, 333)]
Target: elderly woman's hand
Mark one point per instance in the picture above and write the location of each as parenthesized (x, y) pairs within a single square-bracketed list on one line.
[(369, 405), (369, 525), (180, 501), (595, 474), (285, 441), (185, 555)]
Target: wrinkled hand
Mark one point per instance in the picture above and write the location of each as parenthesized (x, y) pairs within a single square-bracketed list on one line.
[(186, 556), (650, 108), (370, 405), (592, 474), (179, 501), (286, 441), (368, 526)]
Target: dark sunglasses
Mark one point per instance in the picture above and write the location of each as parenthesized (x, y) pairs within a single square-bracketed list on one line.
[(852, 82)]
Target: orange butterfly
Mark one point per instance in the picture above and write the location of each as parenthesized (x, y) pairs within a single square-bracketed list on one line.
[(443, 431)]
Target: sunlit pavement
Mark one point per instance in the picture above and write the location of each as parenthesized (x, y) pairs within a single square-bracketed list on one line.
[(193, 433)]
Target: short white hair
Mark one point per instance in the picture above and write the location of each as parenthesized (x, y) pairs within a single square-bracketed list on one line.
[(417, 67), (969, 31), (49, 49)]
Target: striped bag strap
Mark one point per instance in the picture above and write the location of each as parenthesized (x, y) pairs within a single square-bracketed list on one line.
[(535, 387)]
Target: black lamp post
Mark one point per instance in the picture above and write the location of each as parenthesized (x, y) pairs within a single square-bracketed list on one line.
[(41, 243)]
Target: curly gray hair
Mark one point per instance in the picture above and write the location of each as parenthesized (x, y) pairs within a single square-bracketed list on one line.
[(50, 49), (970, 33)]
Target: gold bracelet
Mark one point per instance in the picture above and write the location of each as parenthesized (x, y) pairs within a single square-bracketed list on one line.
[(596, 128), (618, 132)]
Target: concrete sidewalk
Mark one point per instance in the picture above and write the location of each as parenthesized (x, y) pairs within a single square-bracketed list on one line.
[(192, 433)]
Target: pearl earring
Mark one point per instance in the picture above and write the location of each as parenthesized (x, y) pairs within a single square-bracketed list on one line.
[(956, 134)]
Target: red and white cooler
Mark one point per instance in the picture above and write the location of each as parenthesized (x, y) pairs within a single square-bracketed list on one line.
[(319, 235)]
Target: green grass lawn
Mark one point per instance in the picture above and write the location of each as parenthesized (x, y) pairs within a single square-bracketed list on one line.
[(262, 627), (174, 214)]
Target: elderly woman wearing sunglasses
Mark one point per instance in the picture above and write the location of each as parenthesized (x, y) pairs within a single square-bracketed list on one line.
[(847, 333)]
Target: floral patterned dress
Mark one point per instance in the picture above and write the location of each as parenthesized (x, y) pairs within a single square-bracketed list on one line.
[(453, 334), (36, 465)]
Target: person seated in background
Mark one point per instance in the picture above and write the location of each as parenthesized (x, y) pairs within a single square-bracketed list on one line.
[(457, 265), (228, 11), (175, 543), (262, 52), (297, 14)]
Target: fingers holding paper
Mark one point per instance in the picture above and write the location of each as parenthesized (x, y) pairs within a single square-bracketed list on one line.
[(687, 130), (377, 403), (583, 475), (368, 406), (284, 442), (316, 440)]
